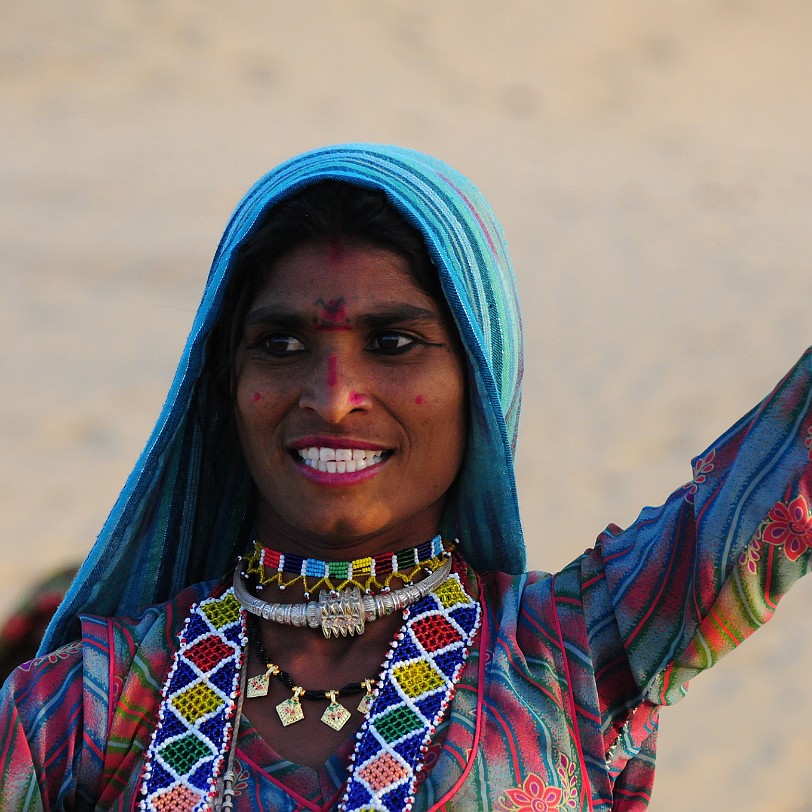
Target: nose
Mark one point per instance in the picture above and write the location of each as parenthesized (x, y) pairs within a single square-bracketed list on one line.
[(334, 390)]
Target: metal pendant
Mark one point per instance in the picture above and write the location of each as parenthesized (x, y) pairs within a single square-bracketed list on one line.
[(336, 715), (366, 702), (258, 686), (290, 710), (341, 612)]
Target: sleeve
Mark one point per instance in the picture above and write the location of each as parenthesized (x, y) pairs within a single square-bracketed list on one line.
[(693, 578), (38, 770)]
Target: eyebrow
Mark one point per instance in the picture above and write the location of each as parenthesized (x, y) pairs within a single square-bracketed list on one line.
[(383, 317)]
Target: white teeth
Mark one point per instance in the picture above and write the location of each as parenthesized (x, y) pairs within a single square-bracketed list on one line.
[(339, 460)]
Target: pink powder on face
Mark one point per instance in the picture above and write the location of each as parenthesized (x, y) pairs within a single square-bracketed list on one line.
[(419, 399), (332, 370), (257, 397), (356, 399)]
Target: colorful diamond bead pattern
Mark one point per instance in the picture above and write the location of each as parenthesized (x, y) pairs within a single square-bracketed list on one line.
[(196, 716), (417, 684)]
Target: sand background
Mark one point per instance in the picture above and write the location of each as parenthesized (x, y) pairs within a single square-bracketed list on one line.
[(651, 165)]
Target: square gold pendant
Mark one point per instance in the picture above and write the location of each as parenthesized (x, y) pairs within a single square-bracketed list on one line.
[(258, 686), (290, 711), (365, 704), (336, 716)]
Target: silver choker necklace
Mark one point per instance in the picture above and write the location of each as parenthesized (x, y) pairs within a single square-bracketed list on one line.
[(344, 612)]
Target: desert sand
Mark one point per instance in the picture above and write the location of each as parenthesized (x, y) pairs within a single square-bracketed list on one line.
[(650, 162)]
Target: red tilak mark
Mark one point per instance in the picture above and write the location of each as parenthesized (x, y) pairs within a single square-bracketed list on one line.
[(356, 399), (332, 370), (257, 397), (333, 310), (333, 315), (419, 399)]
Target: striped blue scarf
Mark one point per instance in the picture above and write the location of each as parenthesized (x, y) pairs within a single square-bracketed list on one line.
[(171, 527)]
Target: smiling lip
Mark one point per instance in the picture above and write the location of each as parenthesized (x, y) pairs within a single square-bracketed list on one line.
[(331, 461)]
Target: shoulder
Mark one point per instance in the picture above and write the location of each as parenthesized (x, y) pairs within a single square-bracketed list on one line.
[(507, 588), (86, 709), (43, 674), (536, 601), (507, 596), (126, 659), (159, 625), (104, 641)]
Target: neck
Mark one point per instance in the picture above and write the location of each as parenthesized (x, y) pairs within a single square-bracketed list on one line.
[(313, 658), (343, 544)]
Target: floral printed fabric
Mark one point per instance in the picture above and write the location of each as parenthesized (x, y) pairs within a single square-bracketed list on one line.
[(557, 706), (533, 796), (789, 526), (536, 796)]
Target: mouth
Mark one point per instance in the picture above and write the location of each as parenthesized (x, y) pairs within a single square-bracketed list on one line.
[(329, 460)]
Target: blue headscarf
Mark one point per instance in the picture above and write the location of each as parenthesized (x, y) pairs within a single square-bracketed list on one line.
[(172, 527)]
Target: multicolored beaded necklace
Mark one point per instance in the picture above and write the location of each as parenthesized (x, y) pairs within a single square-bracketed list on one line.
[(367, 574), (185, 767)]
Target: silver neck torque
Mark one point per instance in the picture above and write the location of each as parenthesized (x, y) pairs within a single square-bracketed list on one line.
[(344, 612)]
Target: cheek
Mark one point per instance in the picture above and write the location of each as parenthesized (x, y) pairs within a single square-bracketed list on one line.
[(258, 389), (249, 396), (445, 418), (443, 411), (255, 404)]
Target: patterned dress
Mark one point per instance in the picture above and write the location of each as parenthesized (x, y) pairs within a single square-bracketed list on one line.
[(557, 705)]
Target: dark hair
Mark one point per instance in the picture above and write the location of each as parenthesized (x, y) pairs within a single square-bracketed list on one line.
[(322, 211)]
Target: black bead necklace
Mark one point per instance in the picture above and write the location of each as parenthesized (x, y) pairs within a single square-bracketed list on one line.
[(290, 710)]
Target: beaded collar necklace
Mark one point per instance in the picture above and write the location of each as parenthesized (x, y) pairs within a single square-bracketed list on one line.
[(367, 574)]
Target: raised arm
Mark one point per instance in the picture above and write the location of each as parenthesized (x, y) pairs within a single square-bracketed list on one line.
[(691, 579)]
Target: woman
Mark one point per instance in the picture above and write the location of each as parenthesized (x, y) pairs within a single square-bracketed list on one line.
[(348, 402)]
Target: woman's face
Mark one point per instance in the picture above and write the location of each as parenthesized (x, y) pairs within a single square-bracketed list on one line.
[(349, 401)]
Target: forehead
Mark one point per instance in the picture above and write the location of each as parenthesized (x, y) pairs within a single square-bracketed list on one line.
[(354, 272)]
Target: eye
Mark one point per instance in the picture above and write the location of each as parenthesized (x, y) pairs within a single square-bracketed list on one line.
[(392, 343), (279, 345)]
